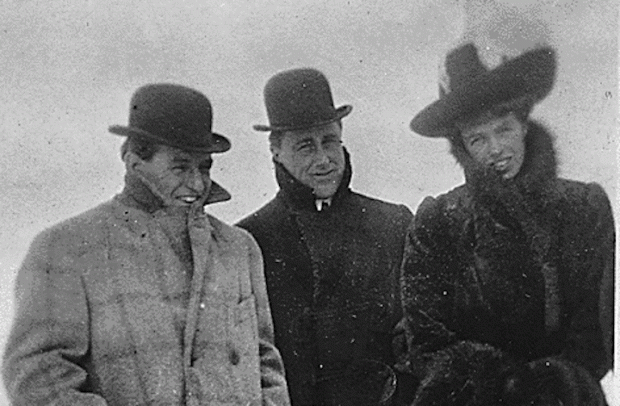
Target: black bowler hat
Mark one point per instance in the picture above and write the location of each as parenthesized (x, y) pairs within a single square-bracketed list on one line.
[(173, 115), (298, 99), (468, 88)]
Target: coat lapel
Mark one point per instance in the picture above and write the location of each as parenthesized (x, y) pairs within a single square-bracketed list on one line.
[(200, 233), (156, 350)]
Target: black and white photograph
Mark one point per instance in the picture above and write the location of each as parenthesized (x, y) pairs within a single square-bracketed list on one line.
[(309, 202)]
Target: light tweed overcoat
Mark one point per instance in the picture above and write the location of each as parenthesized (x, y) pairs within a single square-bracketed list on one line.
[(104, 318)]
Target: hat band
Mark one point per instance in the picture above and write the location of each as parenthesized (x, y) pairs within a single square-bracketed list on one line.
[(212, 143), (338, 114)]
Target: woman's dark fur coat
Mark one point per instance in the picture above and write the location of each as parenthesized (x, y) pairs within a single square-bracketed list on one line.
[(508, 287), (333, 283)]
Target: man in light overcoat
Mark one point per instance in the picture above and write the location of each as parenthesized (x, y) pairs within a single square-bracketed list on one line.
[(146, 299)]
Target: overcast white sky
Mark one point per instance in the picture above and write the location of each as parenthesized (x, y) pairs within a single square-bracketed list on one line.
[(68, 69)]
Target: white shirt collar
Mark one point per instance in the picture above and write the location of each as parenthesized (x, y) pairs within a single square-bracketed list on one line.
[(321, 203)]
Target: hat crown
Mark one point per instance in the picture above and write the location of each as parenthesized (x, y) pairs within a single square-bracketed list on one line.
[(299, 98), (173, 115), (170, 110), (462, 66)]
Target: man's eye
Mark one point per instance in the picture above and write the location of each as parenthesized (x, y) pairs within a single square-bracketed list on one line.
[(331, 143), (305, 148)]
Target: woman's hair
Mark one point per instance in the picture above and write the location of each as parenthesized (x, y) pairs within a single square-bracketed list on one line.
[(521, 108)]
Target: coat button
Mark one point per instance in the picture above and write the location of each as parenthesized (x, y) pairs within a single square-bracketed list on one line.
[(233, 355)]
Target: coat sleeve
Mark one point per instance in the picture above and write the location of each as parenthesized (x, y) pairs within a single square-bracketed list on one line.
[(426, 287), (273, 382), (456, 370), (50, 334), (591, 337)]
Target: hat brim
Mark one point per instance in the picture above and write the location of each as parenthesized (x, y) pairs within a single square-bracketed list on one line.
[(529, 77), (218, 143), (340, 112)]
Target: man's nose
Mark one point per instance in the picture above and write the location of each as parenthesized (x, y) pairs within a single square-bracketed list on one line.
[(195, 181), (321, 156)]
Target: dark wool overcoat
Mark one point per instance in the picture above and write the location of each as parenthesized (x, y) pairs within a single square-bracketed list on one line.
[(332, 278), (131, 303), (508, 287)]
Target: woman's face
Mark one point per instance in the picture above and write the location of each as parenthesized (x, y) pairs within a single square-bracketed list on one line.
[(497, 142)]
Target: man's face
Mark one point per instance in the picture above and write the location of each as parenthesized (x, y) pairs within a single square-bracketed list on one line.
[(315, 157), (179, 177), (498, 142)]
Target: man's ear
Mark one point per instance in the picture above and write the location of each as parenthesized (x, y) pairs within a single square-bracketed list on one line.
[(275, 153), (132, 161)]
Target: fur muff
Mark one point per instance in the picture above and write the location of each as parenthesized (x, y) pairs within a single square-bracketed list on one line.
[(549, 381), (474, 374), (466, 373)]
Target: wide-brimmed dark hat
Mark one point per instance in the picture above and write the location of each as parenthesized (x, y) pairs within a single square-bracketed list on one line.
[(468, 88), (173, 115), (298, 99)]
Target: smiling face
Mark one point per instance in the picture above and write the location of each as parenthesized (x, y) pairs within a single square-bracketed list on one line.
[(497, 142), (179, 177), (315, 157)]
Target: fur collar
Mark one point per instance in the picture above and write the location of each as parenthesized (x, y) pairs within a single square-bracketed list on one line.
[(530, 199), (301, 196)]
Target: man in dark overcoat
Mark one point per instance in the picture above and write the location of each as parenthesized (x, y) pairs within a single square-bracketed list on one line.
[(146, 299), (508, 279), (332, 256)]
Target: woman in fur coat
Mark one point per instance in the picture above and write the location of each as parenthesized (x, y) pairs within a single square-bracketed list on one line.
[(507, 279)]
